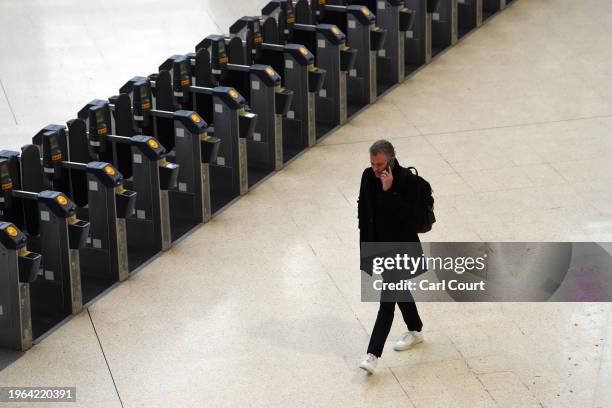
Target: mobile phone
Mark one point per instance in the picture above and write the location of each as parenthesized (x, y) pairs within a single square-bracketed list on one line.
[(390, 165)]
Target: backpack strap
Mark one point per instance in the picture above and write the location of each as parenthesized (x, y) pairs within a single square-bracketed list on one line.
[(404, 179)]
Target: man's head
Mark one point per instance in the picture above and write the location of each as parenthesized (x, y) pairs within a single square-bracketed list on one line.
[(382, 153)]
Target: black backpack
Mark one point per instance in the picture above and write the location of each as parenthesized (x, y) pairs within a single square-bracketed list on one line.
[(424, 209)]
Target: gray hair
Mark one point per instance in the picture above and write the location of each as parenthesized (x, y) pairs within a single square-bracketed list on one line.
[(383, 146)]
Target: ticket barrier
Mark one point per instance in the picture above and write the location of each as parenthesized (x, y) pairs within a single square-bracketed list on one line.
[(187, 194), (418, 38), (328, 44), (396, 19), (491, 7), (184, 134), (469, 16), (100, 197), (48, 220), (262, 85), (444, 26), (189, 199), (359, 24), (18, 269), (142, 161), (232, 123), (299, 74), (190, 202)]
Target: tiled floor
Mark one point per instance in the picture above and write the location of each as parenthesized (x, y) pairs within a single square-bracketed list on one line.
[(261, 307)]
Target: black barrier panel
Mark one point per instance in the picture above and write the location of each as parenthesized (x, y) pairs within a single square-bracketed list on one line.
[(164, 100), (31, 180), (123, 151), (444, 28), (469, 15), (270, 32), (10, 210), (79, 152), (490, 7), (202, 70), (303, 13), (236, 52)]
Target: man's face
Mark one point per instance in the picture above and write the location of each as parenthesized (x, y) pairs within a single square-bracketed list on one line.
[(379, 163)]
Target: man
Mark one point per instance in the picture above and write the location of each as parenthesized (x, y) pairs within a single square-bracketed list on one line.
[(385, 200)]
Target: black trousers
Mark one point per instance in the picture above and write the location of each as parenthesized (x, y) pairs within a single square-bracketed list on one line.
[(384, 320)]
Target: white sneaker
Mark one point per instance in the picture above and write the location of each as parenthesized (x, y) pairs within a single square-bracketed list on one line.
[(408, 340), (369, 363)]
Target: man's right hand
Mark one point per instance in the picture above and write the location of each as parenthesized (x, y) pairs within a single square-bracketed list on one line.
[(387, 179)]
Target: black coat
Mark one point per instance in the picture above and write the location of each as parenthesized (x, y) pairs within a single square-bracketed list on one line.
[(398, 204), (392, 218)]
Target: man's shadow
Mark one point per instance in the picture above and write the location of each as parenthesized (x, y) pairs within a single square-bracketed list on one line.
[(290, 335)]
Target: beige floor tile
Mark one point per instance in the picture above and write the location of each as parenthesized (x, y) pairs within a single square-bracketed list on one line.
[(507, 390)]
